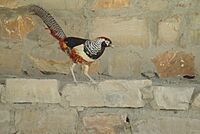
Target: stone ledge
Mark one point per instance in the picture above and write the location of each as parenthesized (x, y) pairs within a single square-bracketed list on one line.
[(32, 90), (110, 93), (174, 98)]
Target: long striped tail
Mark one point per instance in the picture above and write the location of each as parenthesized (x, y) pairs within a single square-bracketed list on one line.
[(51, 23)]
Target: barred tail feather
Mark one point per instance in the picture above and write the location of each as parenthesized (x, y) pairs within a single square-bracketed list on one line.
[(51, 23)]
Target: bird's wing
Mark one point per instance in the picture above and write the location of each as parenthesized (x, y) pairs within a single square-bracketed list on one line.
[(51, 23), (74, 41)]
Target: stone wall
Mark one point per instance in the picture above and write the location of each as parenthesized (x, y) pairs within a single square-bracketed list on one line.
[(44, 106), (159, 36), (156, 38)]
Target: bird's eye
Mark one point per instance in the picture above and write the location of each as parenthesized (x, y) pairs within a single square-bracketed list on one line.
[(107, 42)]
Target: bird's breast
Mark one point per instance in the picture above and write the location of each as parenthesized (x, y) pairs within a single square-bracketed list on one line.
[(78, 55)]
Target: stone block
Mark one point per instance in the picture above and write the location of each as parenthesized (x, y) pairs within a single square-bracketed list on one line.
[(75, 5), (32, 90), (51, 4), (168, 30), (174, 63), (122, 93), (153, 5), (83, 95), (166, 125), (17, 3), (10, 61), (123, 31), (104, 123), (124, 65), (2, 88), (4, 120), (8, 3), (196, 101), (52, 121), (16, 28), (110, 4), (194, 29), (50, 65), (110, 93), (177, 98)]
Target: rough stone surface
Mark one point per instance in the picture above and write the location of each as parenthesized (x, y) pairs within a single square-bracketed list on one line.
[(174, 63), (122, 31), (168, 30), (51, 66), (17, 28), (166, 125), (8, 3), (4, 120), (153, 5), (117, 93), (32, 90), (10, 61), (74, 5), (131, 66), (52, 121), (104, 123), (196, 101), (110, 4), (83, 95), (123, 93), (177, 98), (194, 32), (17, 3), (1, 91)]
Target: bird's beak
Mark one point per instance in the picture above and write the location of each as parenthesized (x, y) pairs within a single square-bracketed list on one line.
[(112, 46)]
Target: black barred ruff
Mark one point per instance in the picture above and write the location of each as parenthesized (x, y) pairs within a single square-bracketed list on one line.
[(94, 49), (49, 21)]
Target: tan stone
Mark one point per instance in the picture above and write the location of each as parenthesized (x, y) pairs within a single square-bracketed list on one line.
[(17, 28), (52, 66), (104, 123), (168, 30), (123, 31), (196, 102), (110, 4), (32, 91), (185, 3), (52, 4), (5, 119), (167, 125), (194, 33), (51, 120), (172, 63), (17, 3), (10, 61), (124, 64), (153, 5), (83, 95), (172, 97), (8, 3), (110, 93), (122, 93), (75, 4)]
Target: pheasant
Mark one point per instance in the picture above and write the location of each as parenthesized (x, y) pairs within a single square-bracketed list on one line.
[(81, 51)]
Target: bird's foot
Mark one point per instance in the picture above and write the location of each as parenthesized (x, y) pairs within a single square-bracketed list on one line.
[(76, 82), (93, 81)]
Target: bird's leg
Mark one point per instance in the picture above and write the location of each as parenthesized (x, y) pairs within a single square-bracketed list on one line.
[(72, 71), (86, 73)]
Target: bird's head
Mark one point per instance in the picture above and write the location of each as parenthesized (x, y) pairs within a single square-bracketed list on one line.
[(106, 42)]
